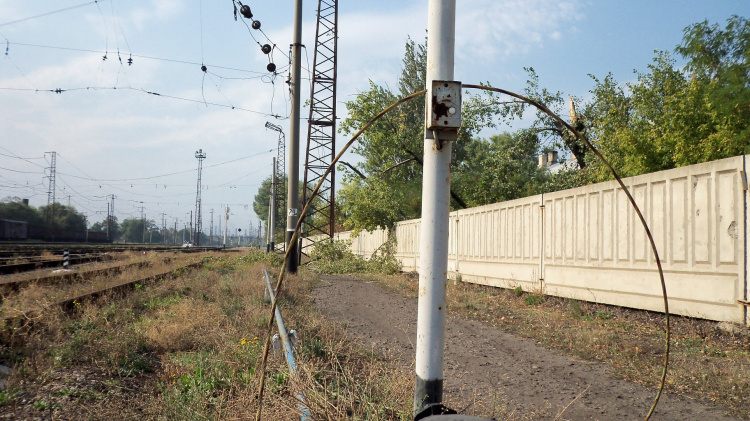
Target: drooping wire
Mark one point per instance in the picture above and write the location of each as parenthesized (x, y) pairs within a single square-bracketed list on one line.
[(192, 63), (51, 13), (106, 31), (107, 88)]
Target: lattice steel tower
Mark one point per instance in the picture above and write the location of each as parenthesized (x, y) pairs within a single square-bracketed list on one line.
[(50, 211), (280, 186), (321, 134), (198, 220)]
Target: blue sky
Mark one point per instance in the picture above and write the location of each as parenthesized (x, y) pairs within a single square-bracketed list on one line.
[(113, 137)]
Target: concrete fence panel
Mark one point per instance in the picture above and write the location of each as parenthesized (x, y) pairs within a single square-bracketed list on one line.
[(588, 243)]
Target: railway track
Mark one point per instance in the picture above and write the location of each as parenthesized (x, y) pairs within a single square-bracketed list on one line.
[(8, 285), (16, 319), (40, 262)]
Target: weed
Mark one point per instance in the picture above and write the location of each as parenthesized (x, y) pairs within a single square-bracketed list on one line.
[(603, 315), (518, 291), (533, 299), (9, 395)]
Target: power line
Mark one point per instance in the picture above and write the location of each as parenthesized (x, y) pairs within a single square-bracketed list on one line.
[(105, 88), (83, 50), (51, 13)]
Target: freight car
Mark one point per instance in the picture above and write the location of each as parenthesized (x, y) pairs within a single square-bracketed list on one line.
[(21, 230), (13, 230)]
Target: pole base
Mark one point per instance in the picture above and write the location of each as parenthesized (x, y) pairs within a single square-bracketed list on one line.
[(293, 260)]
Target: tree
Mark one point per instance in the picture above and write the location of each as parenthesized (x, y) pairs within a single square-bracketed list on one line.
[(386, 186), (13, 208), (132, 230), (672, 117), (260, 205)]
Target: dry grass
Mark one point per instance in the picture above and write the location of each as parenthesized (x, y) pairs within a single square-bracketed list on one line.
[(35, 297), (188, 348), (705, 361)]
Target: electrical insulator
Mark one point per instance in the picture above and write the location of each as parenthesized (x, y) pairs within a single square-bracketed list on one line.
[(204, 68), (245, 10), (256, 24), (266, 49), (271, 67)]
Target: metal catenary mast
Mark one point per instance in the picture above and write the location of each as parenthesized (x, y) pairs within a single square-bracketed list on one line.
[(200, 155), (321, 133), (50, 211), (280, 185)]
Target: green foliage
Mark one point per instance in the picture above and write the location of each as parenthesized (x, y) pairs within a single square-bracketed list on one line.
[(60, 216), (386, 186), (136, 230), (669, 117), (534, 299), (518, 291), (17, 211), (336, 257)]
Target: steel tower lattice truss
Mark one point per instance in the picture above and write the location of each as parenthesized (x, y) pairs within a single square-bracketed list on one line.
[(200, 155), (321, 134), (280, 186)]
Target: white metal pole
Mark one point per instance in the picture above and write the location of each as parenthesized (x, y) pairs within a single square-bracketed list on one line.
[(433, 272)]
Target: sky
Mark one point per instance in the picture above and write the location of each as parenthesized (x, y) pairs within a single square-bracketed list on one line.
[(132, 129)]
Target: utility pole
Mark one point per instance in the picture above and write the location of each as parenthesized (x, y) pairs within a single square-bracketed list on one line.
[(272, 210), (143, 219), (108, 221), (226, 223), (50, 217), (211, 233), (443, 118), (200, 155), (280, 205), (294, 120), (258, 234), (174, 234), (191, 229), (110, 217), (164, 228)]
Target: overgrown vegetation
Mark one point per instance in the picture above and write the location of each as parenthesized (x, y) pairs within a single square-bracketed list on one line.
[(336, 257), (188, 349)]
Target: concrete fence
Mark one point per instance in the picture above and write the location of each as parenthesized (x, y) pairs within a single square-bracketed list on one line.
[(588, 243)]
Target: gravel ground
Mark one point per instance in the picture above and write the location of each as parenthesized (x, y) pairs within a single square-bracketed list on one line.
[(485, 364)]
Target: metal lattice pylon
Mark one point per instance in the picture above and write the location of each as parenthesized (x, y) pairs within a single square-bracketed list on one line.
[(200, 155), (321, 134), (280, 186)]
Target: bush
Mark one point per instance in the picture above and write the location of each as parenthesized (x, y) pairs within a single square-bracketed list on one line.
[(336, 257)]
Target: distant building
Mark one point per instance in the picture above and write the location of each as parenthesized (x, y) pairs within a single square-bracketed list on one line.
[(551, 163)]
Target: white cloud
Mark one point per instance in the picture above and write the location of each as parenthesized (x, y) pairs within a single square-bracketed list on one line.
[(487, 30)]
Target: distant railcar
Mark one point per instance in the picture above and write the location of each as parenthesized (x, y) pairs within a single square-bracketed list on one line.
[(36, 232), (13, 230)]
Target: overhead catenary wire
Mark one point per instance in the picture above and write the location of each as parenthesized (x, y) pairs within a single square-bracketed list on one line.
[(65, 9)]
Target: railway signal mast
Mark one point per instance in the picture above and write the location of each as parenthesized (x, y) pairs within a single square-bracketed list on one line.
[(200, 155)]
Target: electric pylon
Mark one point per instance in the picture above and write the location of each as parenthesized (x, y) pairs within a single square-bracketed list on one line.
[(280, 185), (50, 211), (321, 134), (198, 223)]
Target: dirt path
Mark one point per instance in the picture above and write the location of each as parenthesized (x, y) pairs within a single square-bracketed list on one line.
[(483, 362)]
